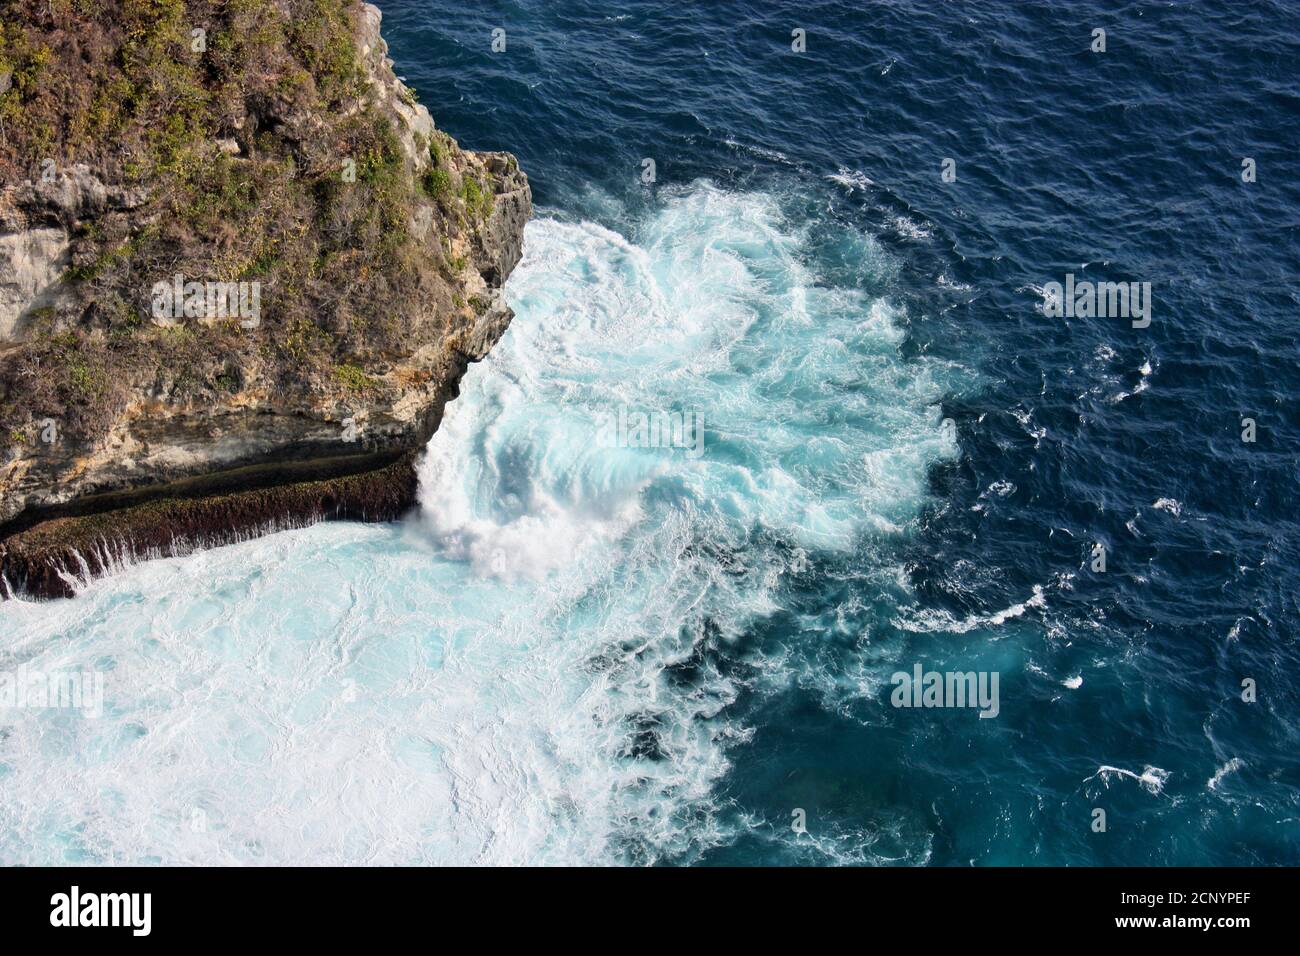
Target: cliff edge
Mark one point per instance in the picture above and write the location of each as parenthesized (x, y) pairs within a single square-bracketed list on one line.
[(241, 274)]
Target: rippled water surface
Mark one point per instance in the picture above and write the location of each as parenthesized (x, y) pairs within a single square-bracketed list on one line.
[(580, 652)]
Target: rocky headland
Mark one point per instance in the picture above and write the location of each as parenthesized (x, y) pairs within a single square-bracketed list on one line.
[(241, 274)]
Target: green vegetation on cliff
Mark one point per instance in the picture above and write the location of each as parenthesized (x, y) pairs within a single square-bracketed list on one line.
[(263, 149)]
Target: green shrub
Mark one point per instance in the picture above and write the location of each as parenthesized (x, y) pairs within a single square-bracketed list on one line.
[(354, 379), (478, 199), (437, 184)]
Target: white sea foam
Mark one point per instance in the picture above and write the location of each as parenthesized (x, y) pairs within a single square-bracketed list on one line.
[(1151, 779), (493, 681), (1144, 372), (1232, 766), (851, 179), (928, 620), (911, 230)]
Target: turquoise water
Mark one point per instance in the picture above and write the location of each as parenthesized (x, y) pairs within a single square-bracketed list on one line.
[(524, 671)]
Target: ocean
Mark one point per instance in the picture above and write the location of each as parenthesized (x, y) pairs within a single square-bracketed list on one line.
[(784, 412)]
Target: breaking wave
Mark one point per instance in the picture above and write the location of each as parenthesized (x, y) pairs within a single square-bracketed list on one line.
[(540, 666)]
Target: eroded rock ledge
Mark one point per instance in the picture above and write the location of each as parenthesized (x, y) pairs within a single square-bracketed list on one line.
[(54, 557), (283, 152)]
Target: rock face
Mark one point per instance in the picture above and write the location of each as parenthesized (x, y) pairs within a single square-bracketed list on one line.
[(279, 161), (31, 264)]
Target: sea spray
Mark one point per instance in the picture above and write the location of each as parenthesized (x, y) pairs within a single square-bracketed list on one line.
[(544, 665)]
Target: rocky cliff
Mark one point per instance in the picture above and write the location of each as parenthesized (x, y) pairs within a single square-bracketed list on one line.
[(241, 274)]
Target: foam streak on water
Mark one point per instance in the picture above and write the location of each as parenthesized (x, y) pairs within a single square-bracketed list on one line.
[(525, 671)]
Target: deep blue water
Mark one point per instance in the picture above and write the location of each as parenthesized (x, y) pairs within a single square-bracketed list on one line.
[(577, 653), (1122, 165)]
